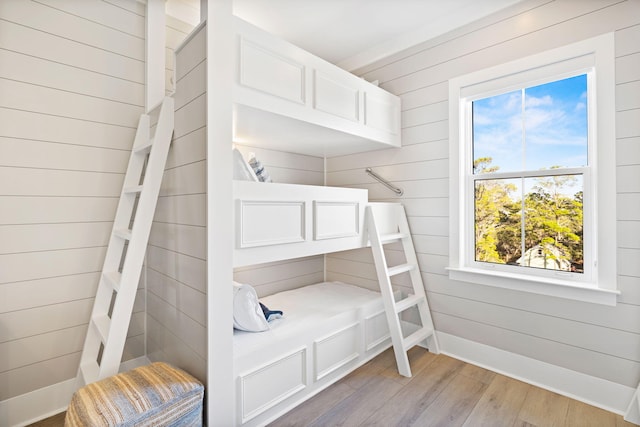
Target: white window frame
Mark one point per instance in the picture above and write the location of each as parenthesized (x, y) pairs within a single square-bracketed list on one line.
[(595, 57)]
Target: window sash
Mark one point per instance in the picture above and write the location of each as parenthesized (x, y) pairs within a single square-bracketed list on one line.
[(588, 237)]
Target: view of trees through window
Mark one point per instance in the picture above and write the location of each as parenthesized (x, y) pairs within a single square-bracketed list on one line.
[(530, 149)]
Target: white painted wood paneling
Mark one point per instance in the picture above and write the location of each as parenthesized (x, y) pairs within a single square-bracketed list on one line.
[(75, 53), (43, 127), (38, 375), (184, 239), (184, 298), (43, 100), (176, 255), (45, 182), (628, 151), (48, 237), (41, 292), (30, 69), (48, 155), (595, 340), (191, 332), (38, 210), (72, 85), (72, 27)]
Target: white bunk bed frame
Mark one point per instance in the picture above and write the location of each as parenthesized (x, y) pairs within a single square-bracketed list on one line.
[(282, 221)]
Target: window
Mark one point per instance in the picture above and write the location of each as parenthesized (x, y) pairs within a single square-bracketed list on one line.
[(533, 174)]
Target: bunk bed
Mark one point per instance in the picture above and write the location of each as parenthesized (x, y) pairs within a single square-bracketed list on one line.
[(328, 329), (287, 99)]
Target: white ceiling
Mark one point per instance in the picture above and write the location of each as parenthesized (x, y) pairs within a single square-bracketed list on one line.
[(354, 33)]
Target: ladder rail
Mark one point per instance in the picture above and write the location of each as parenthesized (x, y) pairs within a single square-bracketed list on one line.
[(111, 314), (399, 231)]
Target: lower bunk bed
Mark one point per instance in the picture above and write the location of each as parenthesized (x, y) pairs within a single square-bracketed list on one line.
[(328, 330)]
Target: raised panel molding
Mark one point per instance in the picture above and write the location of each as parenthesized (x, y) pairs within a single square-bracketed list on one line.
[(263, 223), (334, 97), (380, 113), (336, 350), (265, 387), (335, 219), (266, 71)]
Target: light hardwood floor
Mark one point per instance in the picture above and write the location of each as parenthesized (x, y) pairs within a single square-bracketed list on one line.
[(442, 392)]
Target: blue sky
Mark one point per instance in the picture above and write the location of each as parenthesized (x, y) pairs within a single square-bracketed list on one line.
[(555, 117)]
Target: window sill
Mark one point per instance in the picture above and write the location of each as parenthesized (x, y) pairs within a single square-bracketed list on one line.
[(549, 287)]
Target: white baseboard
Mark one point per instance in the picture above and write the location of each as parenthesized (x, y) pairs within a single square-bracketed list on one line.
[(633, 412), (594, 391), (34, 406)]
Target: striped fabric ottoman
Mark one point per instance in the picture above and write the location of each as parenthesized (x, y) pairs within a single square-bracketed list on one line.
[(154, 395)]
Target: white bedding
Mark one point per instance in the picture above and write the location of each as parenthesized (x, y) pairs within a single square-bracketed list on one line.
[(303, 309)]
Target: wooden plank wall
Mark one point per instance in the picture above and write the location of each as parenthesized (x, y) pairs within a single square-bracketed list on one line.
[(596, 340), (177, 253), (71, 92)]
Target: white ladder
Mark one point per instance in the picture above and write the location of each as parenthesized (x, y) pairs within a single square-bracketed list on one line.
[(118, 284), (387, 223)]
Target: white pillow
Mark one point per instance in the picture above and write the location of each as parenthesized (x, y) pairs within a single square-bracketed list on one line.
[(247, 313)]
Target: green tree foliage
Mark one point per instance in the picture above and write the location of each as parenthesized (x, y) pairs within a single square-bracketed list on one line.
[(552, 219)]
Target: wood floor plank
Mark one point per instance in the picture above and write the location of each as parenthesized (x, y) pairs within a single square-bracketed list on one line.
[(543, 407), (357, 407), (314, 407), (452, 407), (583, 415), (500, 404), (53, 421), (407, 405), (419, 359), (477, 373), (369, 370), (620, 422)]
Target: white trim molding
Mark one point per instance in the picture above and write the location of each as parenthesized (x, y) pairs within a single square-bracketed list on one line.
[(585, 388), (45, 402)]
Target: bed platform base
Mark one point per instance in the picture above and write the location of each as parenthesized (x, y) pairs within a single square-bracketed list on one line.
[(295, 365)]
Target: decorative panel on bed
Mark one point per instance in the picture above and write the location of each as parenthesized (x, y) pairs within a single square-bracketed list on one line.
[(283, 221)]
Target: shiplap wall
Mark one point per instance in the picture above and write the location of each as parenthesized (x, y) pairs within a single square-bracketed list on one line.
[(177, 253), (596, 340), (71, 92), (176, 32)]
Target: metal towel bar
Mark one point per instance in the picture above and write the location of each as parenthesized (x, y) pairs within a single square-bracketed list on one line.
[(384, 182)]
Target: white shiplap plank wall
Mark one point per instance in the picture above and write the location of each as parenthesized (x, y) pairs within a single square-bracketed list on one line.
[(596, 340), (71, 92), (176, 255)]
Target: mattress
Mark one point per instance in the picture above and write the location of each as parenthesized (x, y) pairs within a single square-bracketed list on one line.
[(305, 308)]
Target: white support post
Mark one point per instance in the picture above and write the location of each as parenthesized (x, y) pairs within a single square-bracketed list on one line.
[(155, 59), (221, 404)]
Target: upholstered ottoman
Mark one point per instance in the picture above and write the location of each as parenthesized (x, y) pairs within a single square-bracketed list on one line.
[(154, 395)]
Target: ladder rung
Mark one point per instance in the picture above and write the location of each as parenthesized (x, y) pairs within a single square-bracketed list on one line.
[(102, 324), (113, 277), (393, 237), (143, 148), (133, 190), (89, 371), (409, 301), (399, 269), (416, 337), (122, 233)]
